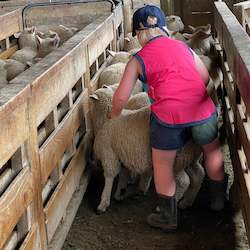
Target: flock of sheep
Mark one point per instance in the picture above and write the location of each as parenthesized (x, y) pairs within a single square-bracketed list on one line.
[(34, 44), (122, 144)]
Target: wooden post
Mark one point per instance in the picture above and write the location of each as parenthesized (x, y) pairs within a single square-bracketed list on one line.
[(127, 15), (167, 6)]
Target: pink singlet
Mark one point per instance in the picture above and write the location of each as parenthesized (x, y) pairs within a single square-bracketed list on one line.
[(179, 93)]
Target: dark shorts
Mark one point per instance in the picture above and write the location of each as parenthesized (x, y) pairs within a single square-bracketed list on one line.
[(170, 138)]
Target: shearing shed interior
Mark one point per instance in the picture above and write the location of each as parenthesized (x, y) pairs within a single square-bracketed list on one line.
[(56, 59)]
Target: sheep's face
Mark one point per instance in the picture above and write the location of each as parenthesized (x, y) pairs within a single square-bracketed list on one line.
[(174, 23), (47, 44), (100, 106)]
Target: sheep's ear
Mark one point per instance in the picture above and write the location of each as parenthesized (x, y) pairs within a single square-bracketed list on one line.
[(208, 28), (63, 27), (38, 40), (110, 52), (17, 35), (39, 33), (74, 29), (187, 36), (55, 41), (94, 96), (29, 63), (192, 28), (105, 86), (127, 39), (33, 29)]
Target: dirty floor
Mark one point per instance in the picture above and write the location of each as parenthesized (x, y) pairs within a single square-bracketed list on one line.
[(123, 226)]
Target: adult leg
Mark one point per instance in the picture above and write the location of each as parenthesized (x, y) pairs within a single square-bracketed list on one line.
[(163, 162)]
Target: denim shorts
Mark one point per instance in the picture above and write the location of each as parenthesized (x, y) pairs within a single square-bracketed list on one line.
[(166, 137)]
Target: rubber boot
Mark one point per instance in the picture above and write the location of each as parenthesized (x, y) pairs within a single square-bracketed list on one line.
[(218, 193), (166, 216)]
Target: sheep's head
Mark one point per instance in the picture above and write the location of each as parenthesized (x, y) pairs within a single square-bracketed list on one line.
[(100, 106), (47, 44), (26, 38), (119, 57), (174, 23)]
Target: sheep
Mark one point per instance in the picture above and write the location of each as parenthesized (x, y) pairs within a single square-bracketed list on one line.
[(174, 23), (62, 31), (131, 43), (119, 57), (112, 148), (200, 40), (135, 102), (137, 88), (14, 68), (47, 44), (2, 45), (3, 74), (24, 55), (26, 38), (111, 74), (178, 36)]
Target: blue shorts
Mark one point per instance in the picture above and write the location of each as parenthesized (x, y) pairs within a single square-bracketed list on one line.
[(166, 137)]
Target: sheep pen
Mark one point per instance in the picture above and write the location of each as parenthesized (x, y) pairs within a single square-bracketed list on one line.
[(59, 148)]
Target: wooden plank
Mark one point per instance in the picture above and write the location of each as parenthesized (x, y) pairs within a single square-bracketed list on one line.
[(31, 241), (14, 120), (9, 52), (61, 233), (61, 138), (235, 42), (92, 85), (244, 193), (14, 202), (101, 38), (10, 23), (245, 4), (58, 203), (127, 16), (229, 86), (243, 135), (72, 14), (118, 15)]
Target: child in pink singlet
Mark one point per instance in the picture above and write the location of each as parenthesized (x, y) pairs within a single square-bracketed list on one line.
[(176, 82)]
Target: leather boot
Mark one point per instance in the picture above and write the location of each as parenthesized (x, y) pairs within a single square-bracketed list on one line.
[(166, 217), (218, 193)]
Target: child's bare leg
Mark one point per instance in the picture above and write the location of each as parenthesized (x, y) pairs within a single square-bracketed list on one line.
[(163, 162), (166, 218), (215, 170), (214, 160)]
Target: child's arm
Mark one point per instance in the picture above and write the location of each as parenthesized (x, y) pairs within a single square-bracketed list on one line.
[(125, 88), (201, 68)]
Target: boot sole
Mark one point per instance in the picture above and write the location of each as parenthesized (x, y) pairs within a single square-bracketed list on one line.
[(169, 229)]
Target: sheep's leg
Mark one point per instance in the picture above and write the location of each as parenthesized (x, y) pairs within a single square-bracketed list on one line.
[(144, 181), (111, 170), (196, 174), (182, 183), (122, 184)]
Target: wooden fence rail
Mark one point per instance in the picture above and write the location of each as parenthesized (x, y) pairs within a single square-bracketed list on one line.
[(46, 135), (234, 50)]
